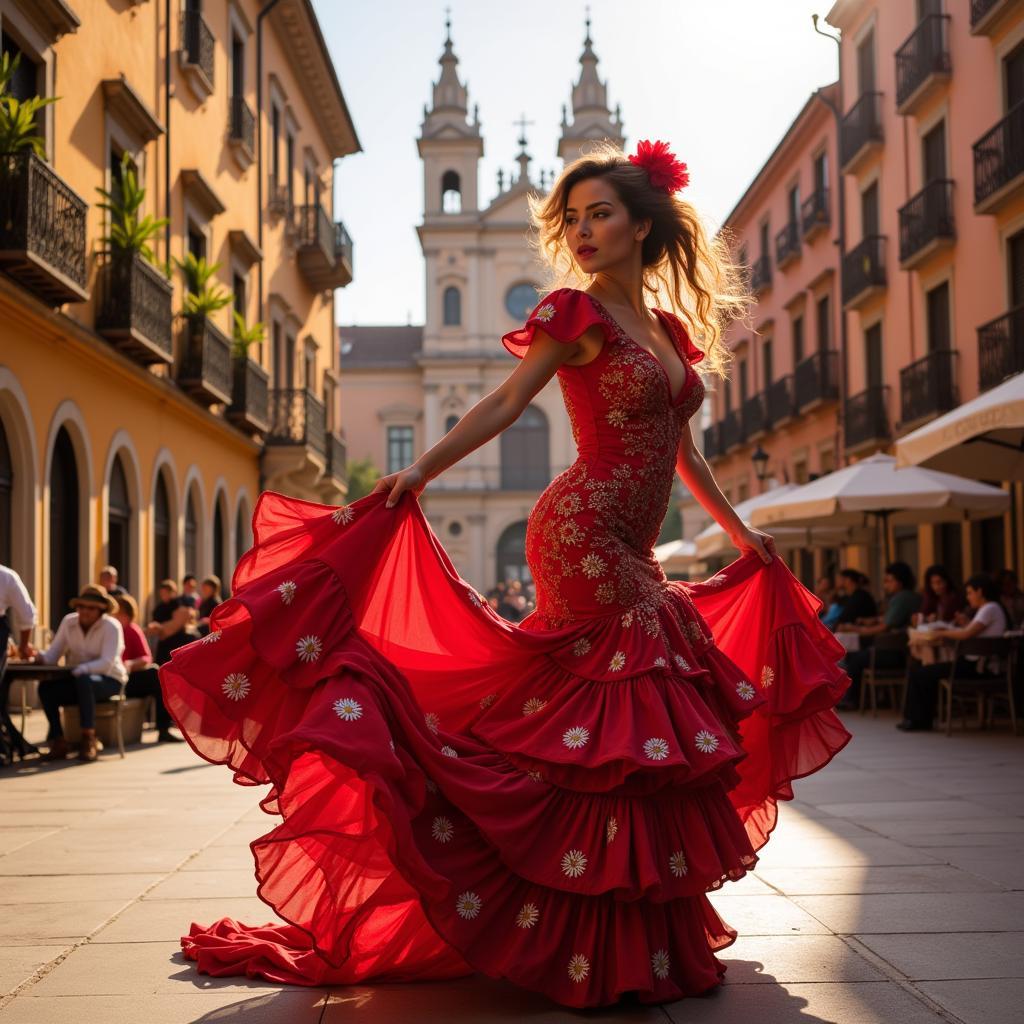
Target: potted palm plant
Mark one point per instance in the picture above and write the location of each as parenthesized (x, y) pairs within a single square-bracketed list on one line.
[(250, 392), (204, 362)]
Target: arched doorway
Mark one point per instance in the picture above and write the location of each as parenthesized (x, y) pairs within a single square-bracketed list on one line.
[(6, 499), (524, 452), (240, 532), (119, 524), (219, 543), (64, 526), (191, 534), (161, 532), (512, 554)]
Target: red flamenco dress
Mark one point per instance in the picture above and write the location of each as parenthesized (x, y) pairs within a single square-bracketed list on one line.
[(547, 802)]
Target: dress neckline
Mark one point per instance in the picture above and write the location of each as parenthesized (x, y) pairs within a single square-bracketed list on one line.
[(665, 319)]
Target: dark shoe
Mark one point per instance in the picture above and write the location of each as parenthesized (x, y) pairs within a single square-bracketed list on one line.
[(88, 749), (58, 751), (166, 736)]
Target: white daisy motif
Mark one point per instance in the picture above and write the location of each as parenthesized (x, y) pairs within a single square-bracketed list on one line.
[(656, 748), (236, 685), (707, 742), (659, 964), (348, 710), (682, 663), (677, 864), (449, 751), (717, 581), (576, 737), (745, 690), (468, 905), (309, 647), (579, 967), (593, 565), (528, 915), (442, 829), (574, 863), (581, 647), (627, 619), (618, 659), (432, 720), (212, 638), (287, 591), (343, 515), (486, 702), (546, 312), (535, 775), (533, 705), (474, 599), (611, 828), (660, 663), (767, 676)]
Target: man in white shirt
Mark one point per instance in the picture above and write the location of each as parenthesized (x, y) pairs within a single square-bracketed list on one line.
[(92, 642), (15, 602)]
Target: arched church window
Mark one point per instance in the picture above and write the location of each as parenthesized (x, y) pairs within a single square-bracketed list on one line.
[(450, 422), (451, 193), (452, 306), (511, 554)]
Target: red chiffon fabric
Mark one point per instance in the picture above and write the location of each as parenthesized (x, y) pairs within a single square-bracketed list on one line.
[(547, 802)]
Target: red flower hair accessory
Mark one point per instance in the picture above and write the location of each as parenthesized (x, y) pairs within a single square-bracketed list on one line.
[(664, 170)]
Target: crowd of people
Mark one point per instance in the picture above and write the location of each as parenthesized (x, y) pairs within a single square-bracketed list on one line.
[(105, 649), (512, 599), (943, 612)]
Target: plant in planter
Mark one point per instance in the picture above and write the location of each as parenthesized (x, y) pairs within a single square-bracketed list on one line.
[(18, 117), (243, 336), (201, 300), (130, 234)]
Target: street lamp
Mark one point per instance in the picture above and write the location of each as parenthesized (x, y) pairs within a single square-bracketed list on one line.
[(760, 461)]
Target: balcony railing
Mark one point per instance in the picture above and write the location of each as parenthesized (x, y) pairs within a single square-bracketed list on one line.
[(865, 417), (817, 379), (135, 311), (928, 386), (197, 43), (731, 430), (1001, 348), (324, 248), (999, 159), (780, 404), (814, 212), (861, 127), (760, 273), (250, 396), (337, 458), (297, 418), (712, 443), (927, 221), (755, 418), (242, 126), (787, 244), (986, 15), (923, 57), (864, 269), (205, 371), (42, 229)]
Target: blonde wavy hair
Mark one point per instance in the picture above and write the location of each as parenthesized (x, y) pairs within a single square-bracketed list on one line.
[(685, 270)]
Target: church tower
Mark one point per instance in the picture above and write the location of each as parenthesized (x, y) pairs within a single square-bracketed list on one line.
[(592, 121)]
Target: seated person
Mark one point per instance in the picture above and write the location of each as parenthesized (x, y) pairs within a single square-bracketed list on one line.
[(857, 600), (990, 619), (108, 579), (171, 626), (900, 605), (143, 679), (190, 592), (91, 640), (210, 593), (940, 599), (1011, 596)]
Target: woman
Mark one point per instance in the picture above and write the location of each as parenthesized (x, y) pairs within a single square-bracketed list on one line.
[(209, 591), (990, 619), (941, 600), (547, 801), (171, 625)]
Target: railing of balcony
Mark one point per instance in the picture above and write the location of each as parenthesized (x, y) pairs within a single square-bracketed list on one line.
[(243, 123), (999, 154), (1001, 348), (787, 243), (864, 266), (336, 456), (926, 217), (814, 210), (760, 273), (315, 229), (712, 447), (207, 362), (755, 420), (928, 385), (926, 52), (297, 416), (342, 243), (250, 400), (865, 417), (862, 124), (779, 399), (817, 378), (198, 42), (731, 429), (980, 8), (134, 295)]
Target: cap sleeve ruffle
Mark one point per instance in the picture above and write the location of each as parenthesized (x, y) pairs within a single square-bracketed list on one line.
[(564, 314), (692, 353)]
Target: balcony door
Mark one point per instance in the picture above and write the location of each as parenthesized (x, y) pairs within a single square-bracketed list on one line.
[(869, 210), (866, 64), (64, 527), (873, 355), (933, 153), (939, 335), (1013, 76)]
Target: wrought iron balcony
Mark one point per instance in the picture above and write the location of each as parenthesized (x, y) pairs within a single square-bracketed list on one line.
[(928, 386), (712, 443), (731, 430), (755, 417), (42, 230), (205, 371), (988, 15), (197, 46), (780, 403), (787, 244), (279, 203), (297, 418), (337, 458), (865, 418), (242, 124), (324, 249), (250, 396), (926, 222), (135, 312), (861, 130), (999, 162), (761, 274), (922, 62), (814, 213), (817, 379), (1001, 348), (864, 270)]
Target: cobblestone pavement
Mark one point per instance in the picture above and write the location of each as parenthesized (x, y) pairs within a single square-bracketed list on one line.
[(893, 889)]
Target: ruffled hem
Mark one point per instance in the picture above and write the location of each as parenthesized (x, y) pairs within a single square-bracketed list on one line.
[(443, 776)]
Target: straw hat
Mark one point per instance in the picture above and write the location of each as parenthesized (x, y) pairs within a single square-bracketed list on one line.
[(95, 594)]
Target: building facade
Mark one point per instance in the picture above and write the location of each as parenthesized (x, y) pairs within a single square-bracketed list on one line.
[(129, 432)]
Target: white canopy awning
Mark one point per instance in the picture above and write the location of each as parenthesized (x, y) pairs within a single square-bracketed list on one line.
[(676, 555)]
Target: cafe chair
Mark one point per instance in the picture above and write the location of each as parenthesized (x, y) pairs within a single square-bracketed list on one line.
[(979, 690), (894, 679)]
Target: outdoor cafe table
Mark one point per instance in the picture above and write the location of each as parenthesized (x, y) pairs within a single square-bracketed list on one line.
[(12, 743)]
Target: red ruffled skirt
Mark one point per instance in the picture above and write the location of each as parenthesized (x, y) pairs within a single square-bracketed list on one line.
[(459, 793)]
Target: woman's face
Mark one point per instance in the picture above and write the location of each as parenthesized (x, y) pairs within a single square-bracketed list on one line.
[(598, 228), (165, 594), (975, 598), (938, 585)]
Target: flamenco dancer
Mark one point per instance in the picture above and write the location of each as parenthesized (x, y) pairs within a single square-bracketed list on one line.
[(547, 802)]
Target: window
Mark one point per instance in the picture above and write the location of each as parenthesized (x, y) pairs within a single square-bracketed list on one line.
[(119, 524), (937, 302), (238, 288), (451, 193), (873, 355), (794, 204), (798, 339), (524, 452), (933, 153), (219, 543), (800, 471), (161, 532), (399, 448), (1015, 254), (191, 534), (452, 306), (512, 554), (450, 422), (769, 368), (275, 146), (869, 210), (64, 526), (866, 64), (1013, 70), (237, 65), (196, 241), (727, 396), (824, 315), (821, 171), (289, 169), (743, 381), (309, 367)]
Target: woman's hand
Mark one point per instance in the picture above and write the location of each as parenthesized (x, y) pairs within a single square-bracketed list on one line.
[(409, 479), (750, 539)]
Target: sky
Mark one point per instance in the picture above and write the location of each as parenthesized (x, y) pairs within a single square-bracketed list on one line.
[(719, 80)]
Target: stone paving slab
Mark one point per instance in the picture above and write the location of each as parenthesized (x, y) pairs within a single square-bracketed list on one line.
[(945, 957)]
